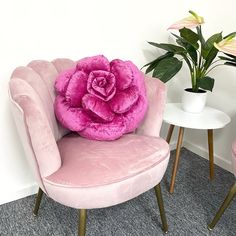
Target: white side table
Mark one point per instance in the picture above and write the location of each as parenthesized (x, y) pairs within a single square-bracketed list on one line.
[(209, 119)]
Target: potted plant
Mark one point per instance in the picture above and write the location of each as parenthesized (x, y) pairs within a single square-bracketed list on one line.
[(199, 55)]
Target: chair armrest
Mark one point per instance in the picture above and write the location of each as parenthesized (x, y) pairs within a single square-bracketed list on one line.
[(156, 94), (34, 129)]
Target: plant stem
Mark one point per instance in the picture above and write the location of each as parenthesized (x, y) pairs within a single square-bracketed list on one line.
[(194, 79), (213, 68), (200, 70)]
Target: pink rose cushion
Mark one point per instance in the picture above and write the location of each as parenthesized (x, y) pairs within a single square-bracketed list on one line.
[(99, 99)]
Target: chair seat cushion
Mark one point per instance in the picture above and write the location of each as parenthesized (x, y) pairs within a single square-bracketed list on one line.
[(97, 163), (97, 174)]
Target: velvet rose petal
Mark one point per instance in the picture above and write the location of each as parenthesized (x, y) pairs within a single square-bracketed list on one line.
[(105, 131), (98, 91), (135, 115), (123, 73), (62, 81), (89, 64), (76, 88), (98, 108), (124, 100), (139, 78), (101, 84), (75, 119)]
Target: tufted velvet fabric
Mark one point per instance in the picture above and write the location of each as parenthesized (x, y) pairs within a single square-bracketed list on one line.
[(105, 163), (99, 99), (72, 170), (38, 128)]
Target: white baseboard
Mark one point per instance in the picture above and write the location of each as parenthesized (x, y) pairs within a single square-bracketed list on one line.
[(218, 160), (20, 193), (173, 145)]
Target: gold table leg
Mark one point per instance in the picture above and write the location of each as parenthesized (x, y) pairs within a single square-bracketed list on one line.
[(211, 153), (170, 131), (177, 156)]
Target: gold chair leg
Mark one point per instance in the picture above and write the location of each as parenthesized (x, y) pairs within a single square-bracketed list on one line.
[(170, 131), (82, 222), (38, 201), (161, 207), (177, 157), (211, 153), (225, 204)]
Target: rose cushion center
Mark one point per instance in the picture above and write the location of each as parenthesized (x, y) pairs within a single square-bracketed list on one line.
[(101, 84)]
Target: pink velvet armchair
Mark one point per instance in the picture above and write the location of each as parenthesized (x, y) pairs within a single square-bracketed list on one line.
[(231, 194), (78, 172)]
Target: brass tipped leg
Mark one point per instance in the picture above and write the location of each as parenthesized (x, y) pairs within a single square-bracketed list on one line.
[(82, 222), (177, 157), (208, 227), (161, 207), (211, 153), (170, 131), (38, 201), (225, 204)]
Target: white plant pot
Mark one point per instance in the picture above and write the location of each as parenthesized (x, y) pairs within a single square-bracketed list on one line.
[(193, 102)]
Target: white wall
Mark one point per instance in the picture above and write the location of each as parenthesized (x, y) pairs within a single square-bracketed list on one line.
[(45, 29)]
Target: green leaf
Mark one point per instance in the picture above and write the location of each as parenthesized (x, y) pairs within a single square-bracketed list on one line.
[(189, 48), (201, 38), (154, 63), (152, 66), (193, 53), (168, 47), (232, 56), (206, 83), (188, 62), (228, 59), (231, 34), (190, 36), (167, 68), (181, 41), (210, 51), (148, 64), (230, 64), (208, 46)]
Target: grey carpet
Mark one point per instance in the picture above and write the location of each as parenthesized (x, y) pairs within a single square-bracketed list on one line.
[(188, 210)]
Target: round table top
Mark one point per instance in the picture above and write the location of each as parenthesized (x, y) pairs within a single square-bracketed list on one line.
[(209, 118)]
